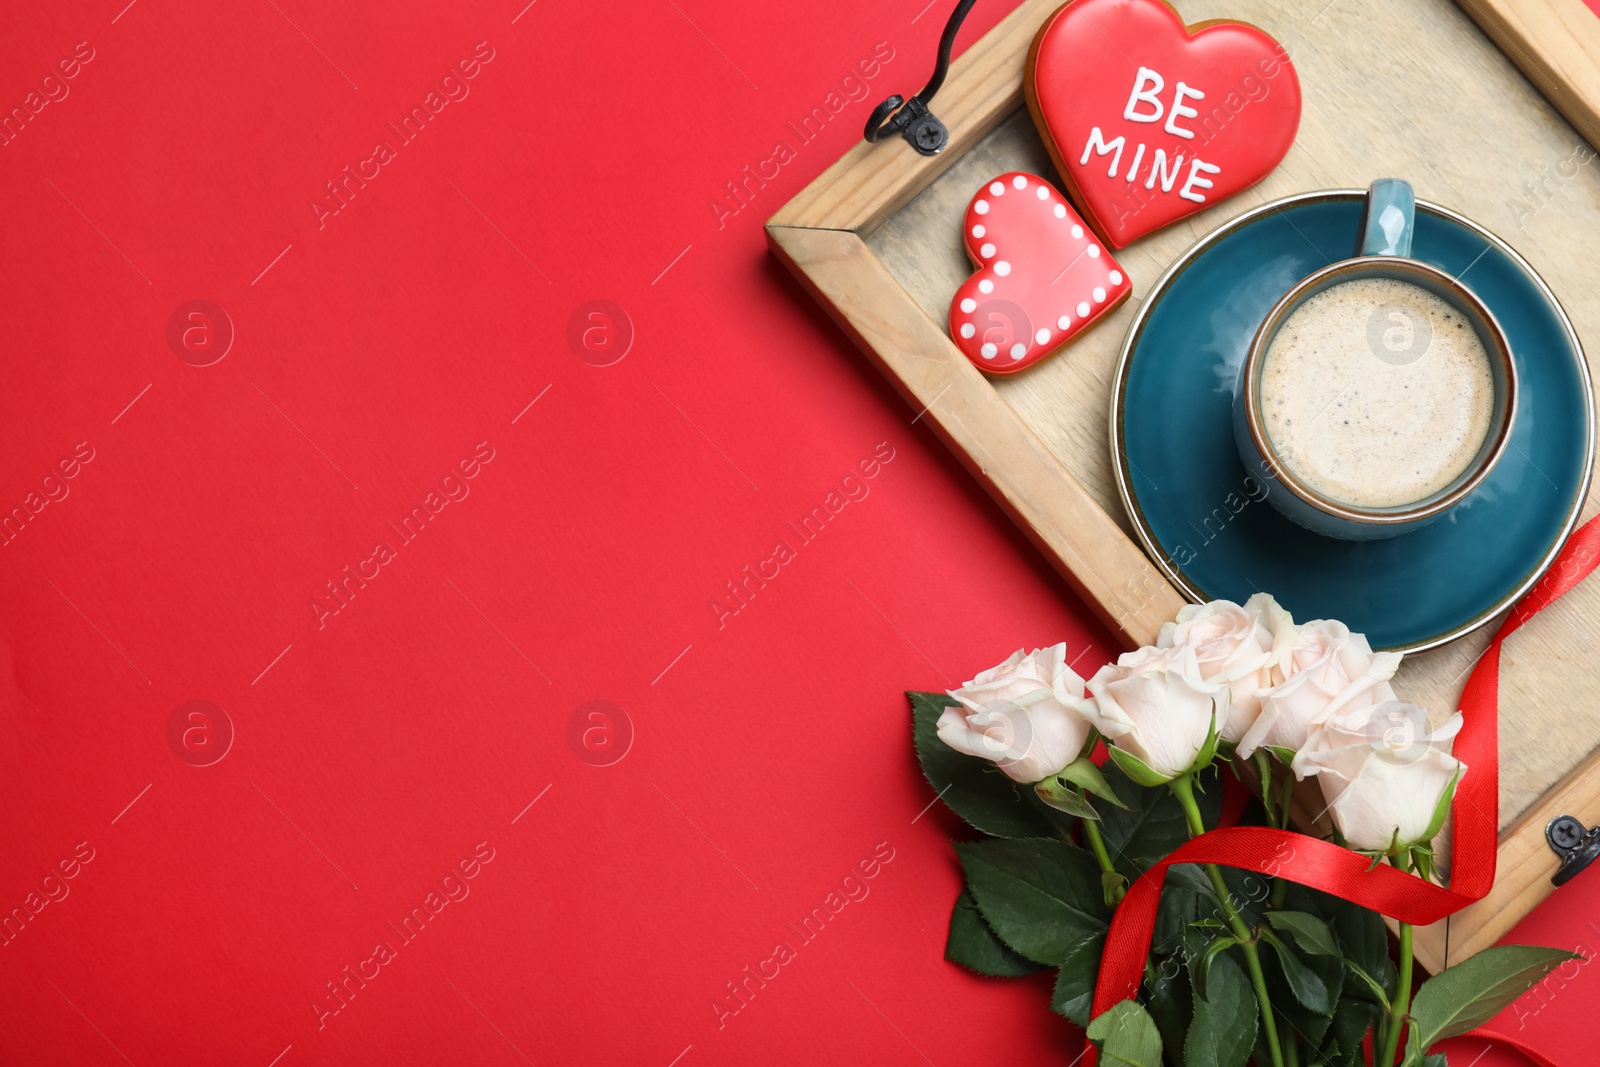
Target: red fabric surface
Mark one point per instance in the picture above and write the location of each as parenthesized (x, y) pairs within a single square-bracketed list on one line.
[(178, 913), (771, 747)]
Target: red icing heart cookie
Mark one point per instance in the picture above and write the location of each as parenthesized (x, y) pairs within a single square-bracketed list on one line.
[(1149, 120), (1042, 277)]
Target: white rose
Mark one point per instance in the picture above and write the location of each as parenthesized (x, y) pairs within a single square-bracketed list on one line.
[(1236, 647), (1023, 715), (1383, 773), (1153, 704), (1324, 670)]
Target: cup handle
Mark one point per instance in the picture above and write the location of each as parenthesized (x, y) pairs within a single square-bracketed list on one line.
[(1389, 220)]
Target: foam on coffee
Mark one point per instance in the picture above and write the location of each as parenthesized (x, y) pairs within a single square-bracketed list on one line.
[(1376, 393)]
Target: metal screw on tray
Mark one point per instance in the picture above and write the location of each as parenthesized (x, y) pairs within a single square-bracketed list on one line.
[(1576, 846), (911, 119), (926, 132)]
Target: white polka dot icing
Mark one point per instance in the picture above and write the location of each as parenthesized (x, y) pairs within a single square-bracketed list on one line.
[(1035, 256)]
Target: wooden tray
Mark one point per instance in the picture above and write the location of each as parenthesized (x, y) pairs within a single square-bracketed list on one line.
[(876, 240)]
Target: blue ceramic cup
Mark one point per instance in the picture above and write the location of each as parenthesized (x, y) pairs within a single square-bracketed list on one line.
[(1383, 251)]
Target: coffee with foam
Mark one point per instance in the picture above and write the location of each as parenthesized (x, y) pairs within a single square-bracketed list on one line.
[(1376, 393)]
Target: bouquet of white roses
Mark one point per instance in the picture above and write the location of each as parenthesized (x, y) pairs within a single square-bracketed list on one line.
[(1244, 968)]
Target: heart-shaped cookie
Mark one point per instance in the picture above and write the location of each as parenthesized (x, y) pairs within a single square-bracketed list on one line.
[(1042, 277), (1149, 120)]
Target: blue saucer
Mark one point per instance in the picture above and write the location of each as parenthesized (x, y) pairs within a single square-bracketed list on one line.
[(1207, 524)]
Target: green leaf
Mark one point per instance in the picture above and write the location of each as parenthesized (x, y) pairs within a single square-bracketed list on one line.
[(1436, 1060), (1366, 984), (1263, 766), (1422, 861), (1309, 987), (1170, 1002), (1065, 798), (973, 788), (1136, 768), (1041, 895), (1151, 826), (1085, 774), (1351, 1022), (1127, 1036), (1224, 1028), (1440, 811), (1308, 931), (1309, 1025), (1202, 967), (973, 945), (1073, 995), (1208, 751), (1360, 934), (1474, 991), (1183, 902)]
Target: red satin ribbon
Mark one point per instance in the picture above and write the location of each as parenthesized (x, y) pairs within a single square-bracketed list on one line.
[(1489, 1034), (1324, 865)]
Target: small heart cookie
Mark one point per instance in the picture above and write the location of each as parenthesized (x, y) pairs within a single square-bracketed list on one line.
[(1042, 276)]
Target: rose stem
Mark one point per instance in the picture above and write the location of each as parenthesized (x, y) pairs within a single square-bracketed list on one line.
[(1183, 789), (1286, 797), (1402, 998), (1097, 845), (1280, 885)]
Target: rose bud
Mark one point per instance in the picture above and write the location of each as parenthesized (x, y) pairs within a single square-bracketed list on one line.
[(1387, 779), (1236, 647), (1324, 670), (1022, 715), (1153, 704)]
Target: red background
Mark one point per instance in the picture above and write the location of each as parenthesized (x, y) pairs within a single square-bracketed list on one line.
[(374, 349)]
